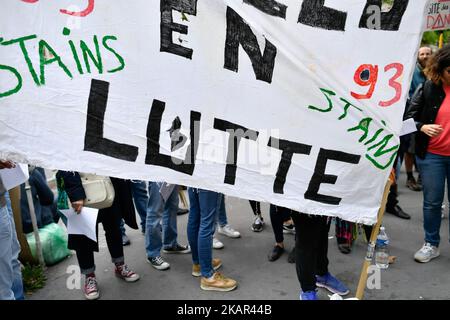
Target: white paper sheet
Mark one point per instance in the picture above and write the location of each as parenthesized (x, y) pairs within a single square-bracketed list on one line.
[(14, 177), (409, 126), (83, 223)]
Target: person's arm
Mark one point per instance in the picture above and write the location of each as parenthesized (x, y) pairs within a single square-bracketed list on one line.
[(74, 188), (416, 106), (43, 191)]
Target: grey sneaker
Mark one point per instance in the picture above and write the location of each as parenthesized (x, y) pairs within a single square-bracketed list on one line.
[(158, 263), (426, 253), (177, 249)]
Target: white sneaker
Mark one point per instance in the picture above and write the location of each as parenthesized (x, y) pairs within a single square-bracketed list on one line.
[(426, 253), (217, 244), (228, 231)]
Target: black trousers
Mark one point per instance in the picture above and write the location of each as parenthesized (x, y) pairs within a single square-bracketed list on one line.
[(111, 225), (278, 215), (311, 248), (256, 207)]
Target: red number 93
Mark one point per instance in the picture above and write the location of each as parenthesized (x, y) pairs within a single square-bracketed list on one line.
[(367, 76), (83, 13)]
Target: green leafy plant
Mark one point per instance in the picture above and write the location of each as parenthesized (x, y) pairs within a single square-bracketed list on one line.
[(33, 278)]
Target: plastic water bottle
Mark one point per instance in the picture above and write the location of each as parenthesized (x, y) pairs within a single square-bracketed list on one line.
[(382, 251)]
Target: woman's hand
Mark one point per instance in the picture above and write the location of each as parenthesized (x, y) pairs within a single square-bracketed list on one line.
[(432, 130), (77, 206), (7, 164)]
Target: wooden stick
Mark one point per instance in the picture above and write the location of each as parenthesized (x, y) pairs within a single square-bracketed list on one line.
[(183, 198), (371, 245)]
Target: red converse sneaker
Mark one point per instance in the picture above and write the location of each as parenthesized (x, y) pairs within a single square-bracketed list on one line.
[(91, 288), (126, 274)]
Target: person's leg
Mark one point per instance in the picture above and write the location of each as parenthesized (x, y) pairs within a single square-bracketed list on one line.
[(6, 268), (140, 197), (86, 262), (344, 234), (169, 220), (125, 240), (193, 225), (223, 226), (258, 222), (209, 201), (322, 254), (277, 216), (434, 173), (222, 214), (111, 224), (17, 286), (256, 207), (307, 250), (153, 229)]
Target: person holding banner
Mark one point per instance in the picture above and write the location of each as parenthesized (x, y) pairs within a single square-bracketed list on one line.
[(11, 286), (430, 108), (311, 245), (70, 182)]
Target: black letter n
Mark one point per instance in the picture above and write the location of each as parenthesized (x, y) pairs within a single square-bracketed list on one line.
[(239, 32), (94, 140)]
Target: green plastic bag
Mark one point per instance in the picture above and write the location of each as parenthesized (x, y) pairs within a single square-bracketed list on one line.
[(53, 241)]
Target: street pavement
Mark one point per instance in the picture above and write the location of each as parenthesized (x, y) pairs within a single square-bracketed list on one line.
[(245, 260)]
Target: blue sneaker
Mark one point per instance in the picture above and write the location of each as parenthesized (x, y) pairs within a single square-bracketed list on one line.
[(332, 284), (308, 295)]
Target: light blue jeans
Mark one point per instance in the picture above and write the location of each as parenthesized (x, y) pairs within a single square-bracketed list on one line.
[(222, 214), (156, 236), (434, 170), (11, 286), (201, 225)]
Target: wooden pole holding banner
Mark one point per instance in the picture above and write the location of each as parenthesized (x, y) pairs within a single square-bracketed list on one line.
[(35, 226), (25, 252), (441, 39), (371, 244), (183, 198)]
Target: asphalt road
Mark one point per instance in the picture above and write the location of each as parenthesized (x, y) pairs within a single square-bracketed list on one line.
[(245, 259)]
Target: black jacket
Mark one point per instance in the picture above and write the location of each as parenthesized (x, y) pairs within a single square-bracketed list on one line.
[(122, 206), (424, 108)]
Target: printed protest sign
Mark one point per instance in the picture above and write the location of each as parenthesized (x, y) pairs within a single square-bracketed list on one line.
[(295, 103)]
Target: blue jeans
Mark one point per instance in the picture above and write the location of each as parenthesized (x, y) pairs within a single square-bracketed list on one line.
[(201, 225), (222, 214), (11, 286), (155, 236), (434, 170), (140, 197)]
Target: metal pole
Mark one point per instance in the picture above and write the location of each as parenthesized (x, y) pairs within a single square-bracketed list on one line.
[(35, 226)]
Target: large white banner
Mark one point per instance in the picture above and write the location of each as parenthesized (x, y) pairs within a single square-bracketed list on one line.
[(295, 103)]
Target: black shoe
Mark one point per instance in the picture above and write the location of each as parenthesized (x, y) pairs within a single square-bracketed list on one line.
[(412, 185), (180, 211), (125, 240), (291, 256), (397, 211), (344, 248), (177, 249), (276, 252)]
